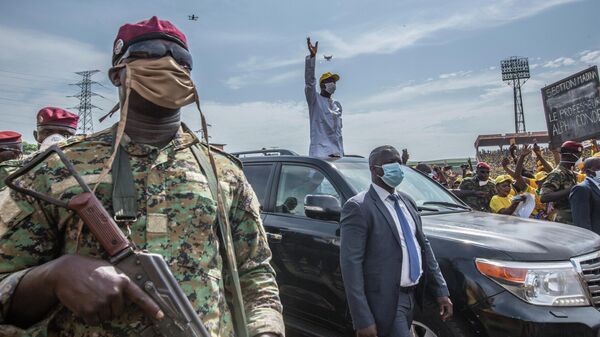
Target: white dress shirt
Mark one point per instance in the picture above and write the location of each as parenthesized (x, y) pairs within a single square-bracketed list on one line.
[(389, 204), (325, 118)]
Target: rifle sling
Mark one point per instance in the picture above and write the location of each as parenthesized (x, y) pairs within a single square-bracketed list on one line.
[(123, 194)]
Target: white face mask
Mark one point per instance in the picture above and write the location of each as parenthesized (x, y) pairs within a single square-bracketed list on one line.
[(54, 138), (330, 87), (482, 183)]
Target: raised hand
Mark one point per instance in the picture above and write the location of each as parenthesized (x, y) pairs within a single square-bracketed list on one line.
[(536, 149), (526, 151), (312, 49)]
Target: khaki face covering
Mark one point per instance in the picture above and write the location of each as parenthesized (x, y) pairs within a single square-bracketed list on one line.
[(161, 81)]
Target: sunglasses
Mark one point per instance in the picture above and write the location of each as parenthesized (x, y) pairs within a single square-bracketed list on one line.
[(158, 48)]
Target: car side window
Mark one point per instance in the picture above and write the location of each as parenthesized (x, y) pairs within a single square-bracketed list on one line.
[(258, 177), (295, 183)]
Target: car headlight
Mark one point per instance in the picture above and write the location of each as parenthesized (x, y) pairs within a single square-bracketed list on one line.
[(543, 283)]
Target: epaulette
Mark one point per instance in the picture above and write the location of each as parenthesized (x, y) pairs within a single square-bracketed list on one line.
[(228, 155)]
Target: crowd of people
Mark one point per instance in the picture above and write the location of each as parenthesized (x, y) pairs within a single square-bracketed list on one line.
[(160, 180), (531, 182), (497, 159)]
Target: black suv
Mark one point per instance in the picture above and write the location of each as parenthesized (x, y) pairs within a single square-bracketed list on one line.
[(507, 276)]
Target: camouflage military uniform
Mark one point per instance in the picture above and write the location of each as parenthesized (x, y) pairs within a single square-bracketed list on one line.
[(8, 167), (478, 203), (176, 218), (560, 179)]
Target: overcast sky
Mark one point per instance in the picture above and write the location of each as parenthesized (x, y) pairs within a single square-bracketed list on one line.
[(422, 75)]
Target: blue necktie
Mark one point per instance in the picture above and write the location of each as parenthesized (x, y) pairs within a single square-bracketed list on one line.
[(409, 239)]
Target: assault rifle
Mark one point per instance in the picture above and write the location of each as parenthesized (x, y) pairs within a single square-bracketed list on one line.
[(149, 271)]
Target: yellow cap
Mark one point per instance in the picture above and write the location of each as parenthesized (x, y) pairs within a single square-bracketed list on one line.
[(327, 75), (502, 178), (597, 154), (541, 175)]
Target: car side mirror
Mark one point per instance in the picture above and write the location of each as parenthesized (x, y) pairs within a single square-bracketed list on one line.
[(322, 207)]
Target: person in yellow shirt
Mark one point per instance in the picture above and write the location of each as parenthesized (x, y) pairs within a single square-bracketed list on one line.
[(503, 202)]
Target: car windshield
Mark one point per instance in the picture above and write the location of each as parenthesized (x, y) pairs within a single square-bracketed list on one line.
[(428, 195)]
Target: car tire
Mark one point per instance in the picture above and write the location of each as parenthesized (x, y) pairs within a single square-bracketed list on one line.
[(427, 323)]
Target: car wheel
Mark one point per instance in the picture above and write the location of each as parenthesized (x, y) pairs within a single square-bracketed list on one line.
[(427, 323), (421, 330)]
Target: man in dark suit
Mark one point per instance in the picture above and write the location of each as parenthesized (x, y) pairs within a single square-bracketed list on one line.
[(385, 258), (585, 197)]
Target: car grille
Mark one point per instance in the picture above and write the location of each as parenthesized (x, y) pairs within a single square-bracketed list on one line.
[(589, 268)]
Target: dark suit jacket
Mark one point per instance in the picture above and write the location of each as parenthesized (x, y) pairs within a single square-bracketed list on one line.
[(585, 205), (371, 260)]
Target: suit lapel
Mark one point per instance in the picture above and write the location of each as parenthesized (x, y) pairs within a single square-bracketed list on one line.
[(386, 214)]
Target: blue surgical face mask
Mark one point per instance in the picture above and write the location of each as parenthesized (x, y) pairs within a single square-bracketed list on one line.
[(392, 174)]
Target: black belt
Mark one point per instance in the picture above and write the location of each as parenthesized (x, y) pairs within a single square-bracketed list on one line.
[(408, 290)]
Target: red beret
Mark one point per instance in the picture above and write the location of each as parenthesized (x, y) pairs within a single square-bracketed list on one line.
[(483, 165), (571, 147), (51, 116), (146, 30), (10, 138)]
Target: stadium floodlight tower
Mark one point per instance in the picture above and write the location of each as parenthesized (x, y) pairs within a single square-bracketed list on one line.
[(515, 72)]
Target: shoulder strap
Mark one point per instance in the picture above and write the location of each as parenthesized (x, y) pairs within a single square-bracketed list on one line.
[(239, 314), (123, 194)]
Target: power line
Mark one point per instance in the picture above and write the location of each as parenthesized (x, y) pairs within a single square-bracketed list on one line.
[(85, 106)]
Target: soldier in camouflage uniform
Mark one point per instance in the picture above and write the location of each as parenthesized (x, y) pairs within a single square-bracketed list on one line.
[(11, 151), (558, 183), (11, 146), (52, 281), (53, 126), (477, 191)]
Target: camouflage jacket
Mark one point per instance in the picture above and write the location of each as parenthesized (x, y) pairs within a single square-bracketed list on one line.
[(8, 167), (560, 179), (176, 218), (478, 203)]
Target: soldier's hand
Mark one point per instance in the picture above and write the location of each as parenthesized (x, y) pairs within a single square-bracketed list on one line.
[(312, 49), (505, 162), (95, 290), (405, 156)]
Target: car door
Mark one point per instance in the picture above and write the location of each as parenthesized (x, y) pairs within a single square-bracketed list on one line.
[(306, 250)]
